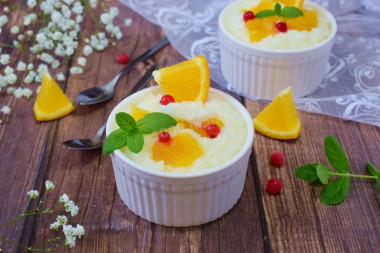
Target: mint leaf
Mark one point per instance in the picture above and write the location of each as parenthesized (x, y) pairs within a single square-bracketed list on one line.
[(308, 172), (265, 13), (323, 173), (374, 172), (117, 139), (155, 121), (277, 9), (135, 142), (125, 121), (290, 12), (336, 191), (335, 154)]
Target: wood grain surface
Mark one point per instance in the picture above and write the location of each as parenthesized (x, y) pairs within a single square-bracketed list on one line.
[(292, 221)]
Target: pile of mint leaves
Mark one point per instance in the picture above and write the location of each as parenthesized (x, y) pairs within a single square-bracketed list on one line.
[(130, 133), (337, 189)]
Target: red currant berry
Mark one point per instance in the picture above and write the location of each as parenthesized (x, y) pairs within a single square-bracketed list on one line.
[(164, 137), (123, 58), (274, 185), (212, 130), (248, 15), (166, 99), (277, 158), (282, 27)]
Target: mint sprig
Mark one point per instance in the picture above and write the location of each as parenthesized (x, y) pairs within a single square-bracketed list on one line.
[(286, 12), (130, 133), (336, 190)]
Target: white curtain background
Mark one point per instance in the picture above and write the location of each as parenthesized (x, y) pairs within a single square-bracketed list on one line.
[(351, 87)]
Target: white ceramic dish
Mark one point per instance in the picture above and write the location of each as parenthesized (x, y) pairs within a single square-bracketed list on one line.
[(260, 73), (179, 199)]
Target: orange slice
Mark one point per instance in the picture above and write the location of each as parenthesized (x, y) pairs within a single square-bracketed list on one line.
[(296, 3), (138, 113), (185, 81), (51, 102), (279, 119)]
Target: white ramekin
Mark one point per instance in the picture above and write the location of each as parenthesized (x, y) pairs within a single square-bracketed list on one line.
[(260, 73), (179, 199)]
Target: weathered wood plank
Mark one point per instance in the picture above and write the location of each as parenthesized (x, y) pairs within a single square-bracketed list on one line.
[(297, 220)]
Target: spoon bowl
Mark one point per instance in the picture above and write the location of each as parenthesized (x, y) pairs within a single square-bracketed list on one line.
[(96, 141)]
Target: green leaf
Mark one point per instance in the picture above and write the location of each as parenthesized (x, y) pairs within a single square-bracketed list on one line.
[(336, 191), (117, 139), (265, 13), (135, 142), (291, 12), (335, 154), (308, 172), (277, 9), (125, 121), (374, 172), (323, 173), (155, 121)]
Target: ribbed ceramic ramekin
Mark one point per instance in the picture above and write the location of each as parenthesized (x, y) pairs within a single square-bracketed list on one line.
[(260, 73), (182, 199)]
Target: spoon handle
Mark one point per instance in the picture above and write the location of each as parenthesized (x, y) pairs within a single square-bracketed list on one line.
[(142, 57)]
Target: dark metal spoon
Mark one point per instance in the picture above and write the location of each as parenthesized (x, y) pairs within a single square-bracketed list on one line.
[(103, 93), (96, 141)]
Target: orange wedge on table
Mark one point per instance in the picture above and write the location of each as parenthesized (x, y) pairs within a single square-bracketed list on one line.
[(279, 119), (51, 102), (185, 81)]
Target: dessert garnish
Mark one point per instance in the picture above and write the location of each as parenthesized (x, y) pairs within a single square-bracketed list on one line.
[(274, 185), (166, 99), (186, 81), (123, 58), (51, 102), (248, 15), (277, 158), (286, 12), (164, 137), (130, 133), (212, 130), (336, 190), (279, 119)]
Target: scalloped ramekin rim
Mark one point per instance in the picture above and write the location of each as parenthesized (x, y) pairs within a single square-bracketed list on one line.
[(280, 51), (190, 175)]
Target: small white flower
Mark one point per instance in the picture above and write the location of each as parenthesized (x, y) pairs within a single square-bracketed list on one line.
[(82, 61), (46, 58), (16, 44), (31, 3), (55, 225), (87, 50), (69, 51), (18, 92), (30, 76), (78, 8), (74, 210), (79, 19), (70, 241), (21, 66), (29, 32), (11, 90), (60, 76), (76, 70), (49, 185), (11, 78), (3, 20), (27, 93), (15, 29), (30, 66), (21, 37), (114, 11), (64, 198), (62, 219), (8, 70), (128, 21), (4, 59), (79, 230), (6, 9), (68, 2), (57, 35), (40, 37), (106, 18), (55, 64), (38, 89), (93, 3), (33, 194)]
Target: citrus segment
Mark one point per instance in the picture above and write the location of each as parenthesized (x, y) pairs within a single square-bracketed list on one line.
[(51, 102), (181, 151), (185, 81), (138, 113), (279, 119), (296, 3)]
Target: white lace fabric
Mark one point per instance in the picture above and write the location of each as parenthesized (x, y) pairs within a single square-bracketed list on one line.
[(351, 87)]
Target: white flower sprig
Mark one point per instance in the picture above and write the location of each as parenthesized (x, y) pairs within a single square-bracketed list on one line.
[(56, 41), (69, 233)]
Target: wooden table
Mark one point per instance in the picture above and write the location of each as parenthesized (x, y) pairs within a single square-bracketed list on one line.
[(292, 221)]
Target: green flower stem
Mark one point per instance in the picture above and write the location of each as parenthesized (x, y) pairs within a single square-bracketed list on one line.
[(7, 45), (41, 200), (36, 212), (352, 175), (28, 248)]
